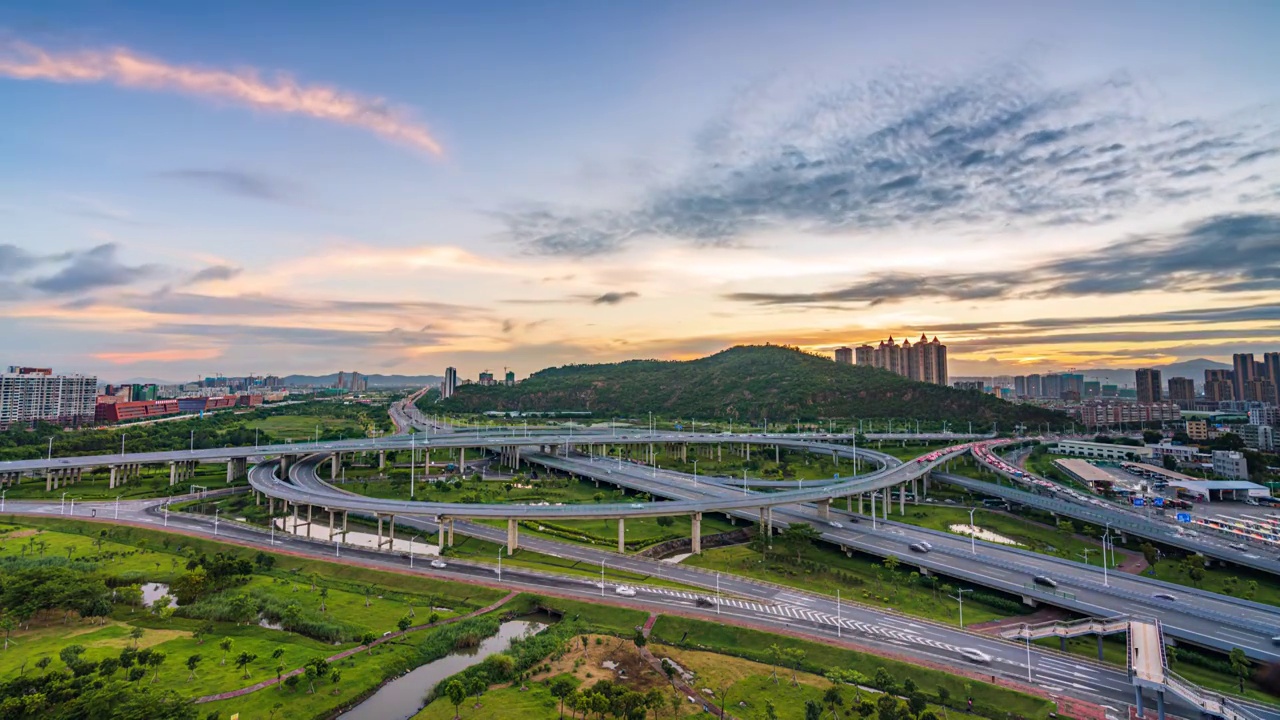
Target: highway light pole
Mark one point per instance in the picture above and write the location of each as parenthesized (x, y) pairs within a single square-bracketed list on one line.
[(717, 592), (1085, 555), (415, 537), (2, 492), (50, 448), (215, 521), (62, 505), (838, 626), (500, 564), (122, 437), (959, 596), (193, 440), (601, 577), (973, 533), (118, 507), (413, 462)]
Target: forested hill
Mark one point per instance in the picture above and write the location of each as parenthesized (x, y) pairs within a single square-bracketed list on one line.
[(744, 383)]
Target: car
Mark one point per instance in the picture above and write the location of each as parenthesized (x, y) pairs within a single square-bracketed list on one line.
[(1238, 546), (1165, 596), (703, 602), (927, 545), (975, 655), (625, 591), (637, 505), (438, 564), (836, 525), (1045, 580), (918, 547)]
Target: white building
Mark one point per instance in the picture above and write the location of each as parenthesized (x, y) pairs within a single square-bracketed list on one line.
[(450, 384), (1184, 454), (29, 396), (1264, 415), (1230, 464), (1104, 451), (1258, 437)]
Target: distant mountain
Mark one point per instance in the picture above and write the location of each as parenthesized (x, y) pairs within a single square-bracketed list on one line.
[(374, 380), (746, 383), (1193, 369)]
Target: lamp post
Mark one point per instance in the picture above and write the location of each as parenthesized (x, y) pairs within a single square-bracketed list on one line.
[(500, 564), (62, 505), (50, 448), (2, 492), (695, 472), (415, 537), (1085, 555), (602, 577), (122, 437), (73, 506), (413, 462), (959, 596), (166, 514), (118, 507), (717, 592), (973, 533), (193, 440), (838, 622), (215, 520)]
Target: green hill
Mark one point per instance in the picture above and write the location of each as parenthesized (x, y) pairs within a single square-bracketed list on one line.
[(744, 383)]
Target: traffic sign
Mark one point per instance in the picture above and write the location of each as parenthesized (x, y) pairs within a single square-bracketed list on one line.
[(1159, 502), (1138, 502), (1183, 517)]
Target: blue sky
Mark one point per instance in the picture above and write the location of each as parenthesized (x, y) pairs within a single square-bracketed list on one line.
[(394, 188)]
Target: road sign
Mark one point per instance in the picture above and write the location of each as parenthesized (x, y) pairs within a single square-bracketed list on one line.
[(1183, 517), (1159, 502), (1138, 502)]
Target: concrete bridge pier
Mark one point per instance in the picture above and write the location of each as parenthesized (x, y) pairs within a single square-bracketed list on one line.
[(390, 540), (622, 536), (173, 473), (440, 538), (115, 480), (824, 509), (860, 503), (332, 517), (382, 459), (513, 536), (902, 499), (335, 461), (696, 536)]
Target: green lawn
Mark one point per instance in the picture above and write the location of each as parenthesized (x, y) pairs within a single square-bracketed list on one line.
[(1030, 535), (536, 703), (303, 427), (860, 579), (476, 550)]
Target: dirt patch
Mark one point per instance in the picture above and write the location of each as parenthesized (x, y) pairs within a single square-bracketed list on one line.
[(149, 638), (715, 671), (19, 533), (625, 664)]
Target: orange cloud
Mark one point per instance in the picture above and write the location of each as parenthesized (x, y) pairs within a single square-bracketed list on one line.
[(176, 355), (279, 93)]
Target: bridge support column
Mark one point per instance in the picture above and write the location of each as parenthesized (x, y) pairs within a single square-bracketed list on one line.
[(450, 532), (332, 516), (860, 504), (48, 480), (1099, 648), (873, 505), (824, 509), (887, 502), (231, 471), (335, 460), (462, 461), (1159, 705), (513, 536), (1137, 699), (115, 477), (440, 539), (848, 504), (902, 499), (622, 535), (173, 473), (382, 459), (295, 521), (1062, 643), (696, 536)]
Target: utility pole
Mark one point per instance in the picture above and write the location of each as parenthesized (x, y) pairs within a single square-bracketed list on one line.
[(959, 596)]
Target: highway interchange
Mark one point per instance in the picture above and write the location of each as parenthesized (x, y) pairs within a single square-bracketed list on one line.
[(1196, 616)]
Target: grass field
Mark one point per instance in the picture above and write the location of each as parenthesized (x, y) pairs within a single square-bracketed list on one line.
[(152, 481), (859, 578), (303, 427)]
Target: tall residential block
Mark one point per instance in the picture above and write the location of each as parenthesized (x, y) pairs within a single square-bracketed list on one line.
[(1149, 385), (865, 355), (450, 384), (29, 396), (925, 361), (1182, 392), (844, 355), (1219, 385), (1243, 369)]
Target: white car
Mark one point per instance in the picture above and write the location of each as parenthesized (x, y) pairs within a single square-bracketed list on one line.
[(975, 655), (836, 525), (438, 564), (625, 591)]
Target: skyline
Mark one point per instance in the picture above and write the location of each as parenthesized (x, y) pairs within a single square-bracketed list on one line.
[(233, 190)]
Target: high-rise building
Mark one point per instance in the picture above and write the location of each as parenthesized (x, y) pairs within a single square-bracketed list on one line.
[(1260, 389), (1092, 389), (1149, 385), (1035, 388), (1242, 371), (1051, 386), (1072, 383), (29, 396), (1271, 369), (844, 355), (1219, 385), (865, 355), (1020, 386), (450, 384), (1182, 392), (486, 378), (969, 385), (1110, 391), (925, 361), (510, 378)]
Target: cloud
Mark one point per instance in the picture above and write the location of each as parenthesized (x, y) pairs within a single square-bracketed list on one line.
[(240, 183), (279, 93), (166, 301), (1219, 254), (14, 259), (318, 337), (90, 270), (904, 150), (214, 273), (172, 355), (613, 298)]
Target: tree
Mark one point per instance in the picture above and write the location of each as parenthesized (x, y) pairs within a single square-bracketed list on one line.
[(225, 646), (1239, 665), (7, 623), (43, 662), (676, 703), (404, 623), (1169, 462), (799, 536), (193, 661), (476, 686), (833, 699), (324, 595), (136, 634), (812, 710), (794, 656), (367, 640), (1066, 527), (291, 682), (202, 631), (243, 662), (640, 640), (1170, 654), (154, 661), (1150, 553), (335, 676), (1152, 437), (560, 688), (770, 712), (368, 593), (917, 704), (666, 521), (653, 700), (891, 564), (944, 695), (457, 693), (775, 659), (887, 708)]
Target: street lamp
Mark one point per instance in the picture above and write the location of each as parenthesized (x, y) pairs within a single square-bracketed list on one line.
[(500, 564), (73, 506), (193, 439), (215, 520), (2, 492), (959, 596), (415, 537), (118, 507), (50, 447), (602, 577), (973, 533), (122, 437), (717, 592), (62, 505)]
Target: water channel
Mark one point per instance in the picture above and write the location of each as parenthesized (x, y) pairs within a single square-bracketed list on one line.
[(403, 697)]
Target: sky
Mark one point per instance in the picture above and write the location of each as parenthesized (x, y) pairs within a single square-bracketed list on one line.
[(278, 188)]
